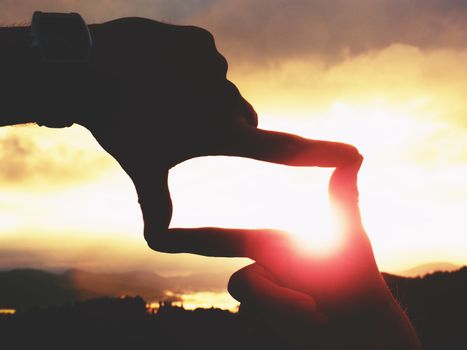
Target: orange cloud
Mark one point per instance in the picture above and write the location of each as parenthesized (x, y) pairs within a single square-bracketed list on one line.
[(268, 30), (13, 11), (28, 161)]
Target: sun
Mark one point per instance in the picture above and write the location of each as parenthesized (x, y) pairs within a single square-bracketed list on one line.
[(318, 236)]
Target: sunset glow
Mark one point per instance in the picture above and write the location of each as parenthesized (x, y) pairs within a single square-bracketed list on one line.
[(7, 311), (208, 300)]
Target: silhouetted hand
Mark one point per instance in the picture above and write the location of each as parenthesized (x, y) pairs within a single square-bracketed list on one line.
[(158, 92), (157, 95), (334, 301), (154, 95)]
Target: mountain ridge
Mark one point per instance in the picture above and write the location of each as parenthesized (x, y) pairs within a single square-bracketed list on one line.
[(27, 287), (427, 268)]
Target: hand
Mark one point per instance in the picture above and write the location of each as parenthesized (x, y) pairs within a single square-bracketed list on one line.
[(337, 301), (157, 95), (154, 95)]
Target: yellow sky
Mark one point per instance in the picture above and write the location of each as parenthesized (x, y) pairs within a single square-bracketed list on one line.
[(64, 202)]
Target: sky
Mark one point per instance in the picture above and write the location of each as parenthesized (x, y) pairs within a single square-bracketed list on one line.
[(388, 76)]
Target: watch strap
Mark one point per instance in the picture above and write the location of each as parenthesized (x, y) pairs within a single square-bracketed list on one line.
[(62, 44), (61, 37)]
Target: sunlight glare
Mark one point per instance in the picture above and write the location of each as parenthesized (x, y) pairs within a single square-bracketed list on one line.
[(319, 237)]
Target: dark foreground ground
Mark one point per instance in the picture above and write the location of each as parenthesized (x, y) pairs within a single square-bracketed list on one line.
[(437, 304)]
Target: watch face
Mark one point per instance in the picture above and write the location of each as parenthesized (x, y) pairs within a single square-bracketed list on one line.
[(61, 37)]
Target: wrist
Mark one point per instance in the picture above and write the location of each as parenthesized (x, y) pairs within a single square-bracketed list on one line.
[(17, 63), (34, 91), (26, 80)]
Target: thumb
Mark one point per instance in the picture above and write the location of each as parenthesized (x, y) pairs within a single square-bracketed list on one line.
[(256, 287), (343, 194)]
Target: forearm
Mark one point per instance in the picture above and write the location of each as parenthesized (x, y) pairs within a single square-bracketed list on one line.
[(19, 73), (34, 91)]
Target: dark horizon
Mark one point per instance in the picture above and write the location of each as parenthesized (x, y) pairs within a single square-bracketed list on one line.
[(435, 303), (26, 288)]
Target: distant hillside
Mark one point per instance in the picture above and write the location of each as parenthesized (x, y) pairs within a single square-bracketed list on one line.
[(422, 270), (437, 304), (25, 288)]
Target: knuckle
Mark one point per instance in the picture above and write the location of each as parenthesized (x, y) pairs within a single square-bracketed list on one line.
[(235, 285), (353, 149), (128, 23), (152, 243), (155, 238), (159, 246), (202, 34), (355, 153)]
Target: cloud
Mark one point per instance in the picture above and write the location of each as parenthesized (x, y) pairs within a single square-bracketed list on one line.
[(268, 30), (418, 85), (91, 251), (278, 29), (13, 11), (26, 160)]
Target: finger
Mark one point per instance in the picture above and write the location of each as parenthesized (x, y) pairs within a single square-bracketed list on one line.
[(289, 149), (154, 198), (256, 287), (156, 208), (240, 105), (264, 245), (344, 196), (271, 247)]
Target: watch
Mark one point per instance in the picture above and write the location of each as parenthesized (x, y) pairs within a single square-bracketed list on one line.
[(62, 44), (61, 37)]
